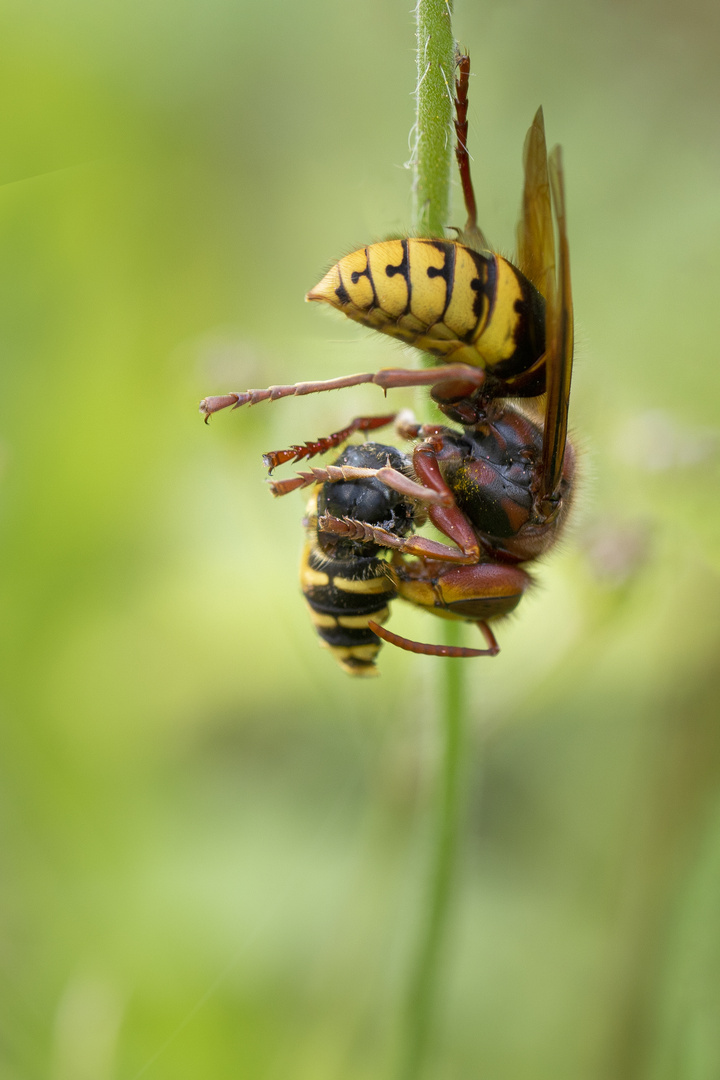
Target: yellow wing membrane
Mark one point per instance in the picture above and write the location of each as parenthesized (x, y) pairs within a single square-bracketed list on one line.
[(560, 337), (535, 235)]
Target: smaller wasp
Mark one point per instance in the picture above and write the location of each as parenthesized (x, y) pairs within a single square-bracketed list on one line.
[(346, 581)]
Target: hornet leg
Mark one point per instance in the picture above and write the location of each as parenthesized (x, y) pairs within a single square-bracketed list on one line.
[(436, 650), (322, 445), (387, 379)]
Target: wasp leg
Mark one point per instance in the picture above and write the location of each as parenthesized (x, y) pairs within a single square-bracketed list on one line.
[(490, 638), (352, 529), (334, 474), (428, 650), (447, 516), (387, 379), (328, 442), (293, 483), (407, 427), (471, 234)]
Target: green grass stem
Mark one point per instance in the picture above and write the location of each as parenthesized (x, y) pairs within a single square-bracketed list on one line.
[(433, 132), (427, 965), (431, 188)]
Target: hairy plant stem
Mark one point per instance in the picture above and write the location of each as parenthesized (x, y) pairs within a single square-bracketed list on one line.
[(427, 968), (433, 132), (431, 188)]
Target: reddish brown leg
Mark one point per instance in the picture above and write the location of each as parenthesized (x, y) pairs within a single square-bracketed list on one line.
[(408, 428), (387, 379), (431, 650), (490, 638), (389, 476), (448, 518), (322, 445), (293, 483), (471, 232), (461, 131), (351, 529), (405, 425)]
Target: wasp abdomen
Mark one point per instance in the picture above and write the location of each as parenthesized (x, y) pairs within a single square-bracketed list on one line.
[(346, 581), (342, 598), (483, 591), (459, 304)]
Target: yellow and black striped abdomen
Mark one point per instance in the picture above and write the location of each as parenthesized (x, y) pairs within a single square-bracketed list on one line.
[(441, 296), (342, 595), (346, 580)]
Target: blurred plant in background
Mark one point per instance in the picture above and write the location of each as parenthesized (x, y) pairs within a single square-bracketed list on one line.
[(208, 832)]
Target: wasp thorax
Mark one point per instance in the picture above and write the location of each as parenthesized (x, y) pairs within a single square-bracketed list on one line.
[(367, 500)]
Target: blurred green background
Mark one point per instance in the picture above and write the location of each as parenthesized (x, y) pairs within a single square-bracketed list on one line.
[(212, 839)]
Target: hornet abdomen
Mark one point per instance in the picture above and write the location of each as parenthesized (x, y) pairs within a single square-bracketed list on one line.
[(458, 304)]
